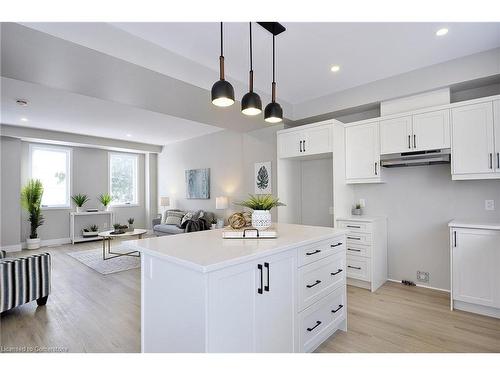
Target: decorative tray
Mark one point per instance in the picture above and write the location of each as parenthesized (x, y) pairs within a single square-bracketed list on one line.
[(249, 233)]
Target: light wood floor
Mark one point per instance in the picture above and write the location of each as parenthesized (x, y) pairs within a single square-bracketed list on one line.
[(90, 312)]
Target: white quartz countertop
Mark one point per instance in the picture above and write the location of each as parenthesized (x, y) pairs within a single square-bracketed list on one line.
[(207, 251), (362, 218), (493, 225)]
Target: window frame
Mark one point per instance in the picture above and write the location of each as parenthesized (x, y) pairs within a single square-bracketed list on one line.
[(135, 203), (69, 170)]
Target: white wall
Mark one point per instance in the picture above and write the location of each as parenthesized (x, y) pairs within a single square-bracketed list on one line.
[(230, 157), (419, 202)]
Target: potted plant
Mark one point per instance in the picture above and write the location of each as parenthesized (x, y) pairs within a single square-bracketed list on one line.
[(130, 224), (31, 201), (80, 200), (105, 200), (261, 206), (91, 231), (117, 227), (357, 209)]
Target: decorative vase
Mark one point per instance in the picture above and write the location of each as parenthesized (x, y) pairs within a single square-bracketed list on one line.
[(32, 243), (261, 219), (106, 208), (130, 228), (78, 209), (357, 211)]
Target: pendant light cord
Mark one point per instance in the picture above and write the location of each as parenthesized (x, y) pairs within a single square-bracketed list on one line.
[(221, 38), (251, 56), (221, 58), (273, 96)]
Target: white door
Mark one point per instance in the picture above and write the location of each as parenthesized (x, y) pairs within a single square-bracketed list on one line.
[(231, 311), (362, 152), (496, 122), (318, 140), (472, 139), (396, 135), (476, 265), (275, 308), (290, 144), (431, 130)]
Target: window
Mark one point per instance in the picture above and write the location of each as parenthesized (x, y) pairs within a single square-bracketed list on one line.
[(51, 165), (123, 179)]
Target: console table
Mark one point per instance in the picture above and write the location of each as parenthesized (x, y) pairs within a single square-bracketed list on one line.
[(76, 236)]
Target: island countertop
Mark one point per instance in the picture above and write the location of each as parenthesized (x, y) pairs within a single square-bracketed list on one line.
[(207, 251)]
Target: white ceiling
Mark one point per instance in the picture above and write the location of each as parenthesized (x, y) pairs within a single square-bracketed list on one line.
[(58, 110)]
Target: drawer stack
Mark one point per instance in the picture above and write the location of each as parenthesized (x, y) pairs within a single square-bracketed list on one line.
[(321, 302), (366, 251)]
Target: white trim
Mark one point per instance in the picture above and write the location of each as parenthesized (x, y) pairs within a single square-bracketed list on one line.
[(422, 286), (51, 242), (135, 203), (12, 248)]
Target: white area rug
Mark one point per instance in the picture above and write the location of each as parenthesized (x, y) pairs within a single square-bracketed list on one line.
[(93, 259)]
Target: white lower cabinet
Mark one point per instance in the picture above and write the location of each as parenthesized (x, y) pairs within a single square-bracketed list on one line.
[(475, 270)]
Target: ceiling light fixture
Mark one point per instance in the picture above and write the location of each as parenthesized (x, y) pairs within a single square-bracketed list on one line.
[(442, 31), (335, 68), (273, 112), (251, 104), (24, 119), (129, 135), (222, 91)]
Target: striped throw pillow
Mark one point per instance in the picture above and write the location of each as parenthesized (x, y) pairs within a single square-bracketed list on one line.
[(174, 217)]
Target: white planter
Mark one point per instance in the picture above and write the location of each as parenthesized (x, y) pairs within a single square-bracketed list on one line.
[(32, 243), (261, 219), (106, 208), (78, 209), (130, 228)]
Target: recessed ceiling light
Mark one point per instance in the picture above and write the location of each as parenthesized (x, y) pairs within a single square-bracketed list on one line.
[(442, 31), (335, 68), (129, 135), (24, 119)]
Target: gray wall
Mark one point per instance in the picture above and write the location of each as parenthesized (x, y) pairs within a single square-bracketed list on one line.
[(419, 202)]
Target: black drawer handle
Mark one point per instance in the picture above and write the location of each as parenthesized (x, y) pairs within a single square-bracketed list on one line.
[(316, 283), (338, 244), (266, 266), (337, 309), (354, 238), (259, 290), (356, 268), (318, 322), (336, 273), (353, 249), (313, 252), (353, 226)]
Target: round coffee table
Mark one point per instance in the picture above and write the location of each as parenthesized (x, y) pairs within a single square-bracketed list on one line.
[(107, 236)]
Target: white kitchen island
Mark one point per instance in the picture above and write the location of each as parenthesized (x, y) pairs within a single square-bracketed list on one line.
[(202, 293)]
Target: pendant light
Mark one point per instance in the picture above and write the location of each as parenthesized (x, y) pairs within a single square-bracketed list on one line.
[(273, 112), (222, 91), (251, 104)]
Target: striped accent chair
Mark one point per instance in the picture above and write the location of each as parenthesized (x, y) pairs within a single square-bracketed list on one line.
[(24, 279)]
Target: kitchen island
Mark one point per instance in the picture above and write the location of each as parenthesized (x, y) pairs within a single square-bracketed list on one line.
[(202, 293)]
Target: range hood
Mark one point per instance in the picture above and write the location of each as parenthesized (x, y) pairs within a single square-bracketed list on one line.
[(410, 159)]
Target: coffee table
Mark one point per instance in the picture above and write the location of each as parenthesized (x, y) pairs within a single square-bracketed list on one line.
[(106, 243)]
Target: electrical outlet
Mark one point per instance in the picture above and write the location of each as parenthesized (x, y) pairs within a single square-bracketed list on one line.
[(489, 205), (362, 203), (423, 276)]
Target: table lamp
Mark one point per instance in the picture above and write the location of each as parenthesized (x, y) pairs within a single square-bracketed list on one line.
[(221, 203)]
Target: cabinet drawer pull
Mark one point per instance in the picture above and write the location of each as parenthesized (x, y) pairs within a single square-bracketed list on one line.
[(356, 268), (414, 141), (337, 244), (316, 283), (314, 252), (318, 322), (498, 160), (454, 238), (354, 238), (266, 288), (337, 309), (336, 273), (259, 290), (409, 141), (358, 250), (376, 169), (491, 160), (353, 226), (304, 145), (300, 146)]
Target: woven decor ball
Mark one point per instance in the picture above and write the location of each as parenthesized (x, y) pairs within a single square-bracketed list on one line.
[(237, 220)]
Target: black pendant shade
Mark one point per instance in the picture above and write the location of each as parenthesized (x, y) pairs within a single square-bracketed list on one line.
[(273, 112), (251, 104), (222, 91)]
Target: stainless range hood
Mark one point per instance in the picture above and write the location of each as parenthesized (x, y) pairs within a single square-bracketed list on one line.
[(411, 159)]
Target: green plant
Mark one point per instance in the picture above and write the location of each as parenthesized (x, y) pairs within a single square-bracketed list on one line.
[(93, 228), (31, 201), (105, 199), (80, 199), (131, 220), (358, 206), (116, 226), (260, 202)]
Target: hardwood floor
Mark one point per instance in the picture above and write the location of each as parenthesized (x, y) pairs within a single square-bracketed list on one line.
[(90, 312)]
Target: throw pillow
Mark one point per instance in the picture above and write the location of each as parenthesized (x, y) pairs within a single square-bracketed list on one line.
[(166, 212), (186, 217), (174, 218)]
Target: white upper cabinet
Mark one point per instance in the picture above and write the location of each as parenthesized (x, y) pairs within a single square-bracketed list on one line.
[(431, 130), (362, 153), (496, 122), (305, 140), (473, 142), (396, 135)]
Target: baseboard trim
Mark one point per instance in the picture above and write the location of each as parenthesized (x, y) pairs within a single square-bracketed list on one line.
[(12, 248), (51, 242), (423, 286)]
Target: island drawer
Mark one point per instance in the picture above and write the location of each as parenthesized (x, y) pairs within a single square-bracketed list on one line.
[(358, 268), (319, 250), (355, 226), (318, 320), (359, 238), (359, 250), (318, 279)]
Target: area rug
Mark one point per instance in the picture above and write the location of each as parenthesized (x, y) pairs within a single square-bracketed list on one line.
[(93, 259)]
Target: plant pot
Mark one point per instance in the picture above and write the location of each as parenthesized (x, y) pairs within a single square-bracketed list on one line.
[(213, 226), (89, 234), (130, 228), (78, 209), (357, 211), (261, 219), (106, 208), (32, 243)]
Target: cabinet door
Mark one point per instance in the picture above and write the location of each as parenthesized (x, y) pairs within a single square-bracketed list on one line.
[(289, 144), (318, 140), (476, 261), (275, 308), (395, 135), (362, 152), (231, 311), (472, 139), (496, 122), (431, 130)]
